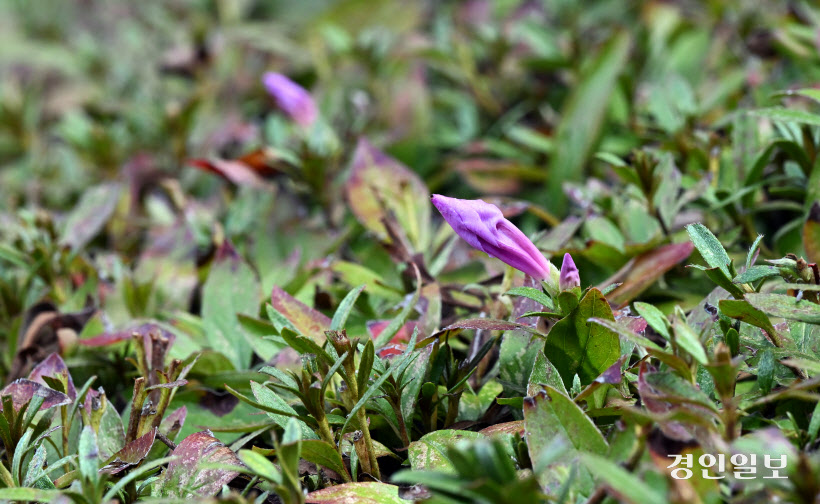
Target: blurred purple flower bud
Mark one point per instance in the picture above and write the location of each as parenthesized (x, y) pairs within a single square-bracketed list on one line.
[(292, 98), (483, 226), (569, 274)]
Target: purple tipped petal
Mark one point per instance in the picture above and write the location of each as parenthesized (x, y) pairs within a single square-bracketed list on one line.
[(484, 227), (569, 274), (292, 98)]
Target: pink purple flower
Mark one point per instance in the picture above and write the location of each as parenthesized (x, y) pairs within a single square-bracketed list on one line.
[(292, 98), (484, 227), (569, 274)]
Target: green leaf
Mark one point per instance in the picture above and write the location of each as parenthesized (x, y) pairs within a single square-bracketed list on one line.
[(723, 280), (709, 247), (343, 311), (232, 288), (430, 452), (741, 310), (88, 458), (811, 93), (415, 374), (755, 273), (304, 345), (788, 115), (393, 327), (552, 418), (603, 230), (371, 391), (365, 366), (544, 373), (260, 465), (654, 317), (627, 486), (582, 117), (752, 251), (787, 307), (576, 346), (22, 494), (765, 370), (360, 493), (323, 453), (536, 295), (687, 339), (271, 399)]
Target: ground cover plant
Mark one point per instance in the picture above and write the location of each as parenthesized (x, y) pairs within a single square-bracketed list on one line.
[(386, 252)]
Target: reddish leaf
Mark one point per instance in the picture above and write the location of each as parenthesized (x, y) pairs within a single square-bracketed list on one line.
[(131, 454), (811, 233), (305, 319), (489, 325), (143, 330), (54, 366), (379, 185), (90, 215), (634, 324), (644, 270), (236, 172), (613, 373), (173, 422), (405, 332), (515, 427), (22, 391), (184, 478)]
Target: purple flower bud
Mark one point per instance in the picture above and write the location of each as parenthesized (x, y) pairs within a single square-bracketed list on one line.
[(569, 274), (483, 226), (292, 98)]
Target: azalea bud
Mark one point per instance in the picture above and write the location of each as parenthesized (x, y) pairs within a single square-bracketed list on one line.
[(484, 227), (292, 98), (569, 274)]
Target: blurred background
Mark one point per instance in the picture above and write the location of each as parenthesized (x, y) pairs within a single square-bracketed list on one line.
[(138, 145)]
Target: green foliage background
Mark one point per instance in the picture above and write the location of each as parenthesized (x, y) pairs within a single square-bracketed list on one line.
[(150, 186)]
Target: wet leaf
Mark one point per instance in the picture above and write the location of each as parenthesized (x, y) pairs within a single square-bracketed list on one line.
[(323, 453), (787, 307), (364, 493), (185, 478), (745, 312), (22, 391), (54, 366), (710, 248), (430, 451), (550, 417), (131, 454), (544, 373)]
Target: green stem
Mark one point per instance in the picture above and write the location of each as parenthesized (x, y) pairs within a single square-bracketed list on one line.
[(405, 436)]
